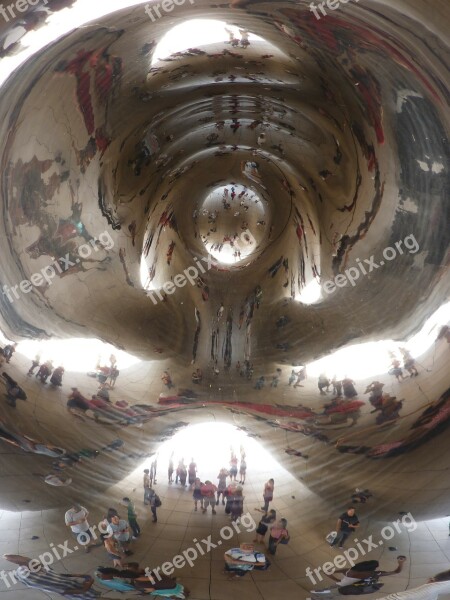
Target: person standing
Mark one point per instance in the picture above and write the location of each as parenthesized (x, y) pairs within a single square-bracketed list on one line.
[(170, 469), (154, 502), (197, 493), (209, 496), (237, 506), (242, 470), (182, 473), (278, 534), (77, 519), (153, 467), (269, 486), (132, 517), (233, 466), (147, 486), (8, 351), (348, 386), (35, 363), (222, 486), (192, 472), (120, 530), (346, 525), (263, 526)]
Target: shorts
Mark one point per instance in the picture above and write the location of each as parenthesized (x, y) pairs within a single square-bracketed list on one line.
[(113, 556), (209, 502), (233, 471), (85, 534), (197, 495), (262, 529)]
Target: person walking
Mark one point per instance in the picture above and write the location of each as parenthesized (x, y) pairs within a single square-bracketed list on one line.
[(77, 519), (132, 517), (263, 526), (269, 486), (278, 534), (346, 525), (147, 486)]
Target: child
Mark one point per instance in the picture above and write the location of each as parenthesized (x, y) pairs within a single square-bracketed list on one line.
[(263, 526), (197, 495), (113, 550)]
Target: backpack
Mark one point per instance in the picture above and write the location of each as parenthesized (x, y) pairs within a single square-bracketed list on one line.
[(331, 537), (157, 501), (365, 586)]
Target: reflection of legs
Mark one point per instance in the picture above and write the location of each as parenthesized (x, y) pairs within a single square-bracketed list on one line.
[(135, 527), (341, 538), (272, 545), (338, 539), (155, 518)]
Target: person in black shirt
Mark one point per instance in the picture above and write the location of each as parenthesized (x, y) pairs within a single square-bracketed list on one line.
[(346, 524)]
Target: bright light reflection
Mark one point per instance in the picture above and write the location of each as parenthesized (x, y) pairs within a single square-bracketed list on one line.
[(372, 358), (57, 25), (311, 293), (196, 33), (209, 444), (76, 355)]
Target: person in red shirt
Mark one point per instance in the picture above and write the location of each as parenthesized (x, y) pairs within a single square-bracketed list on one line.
[(209, 496)]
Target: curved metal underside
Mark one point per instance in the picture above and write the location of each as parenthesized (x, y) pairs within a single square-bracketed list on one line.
[(184, 209)]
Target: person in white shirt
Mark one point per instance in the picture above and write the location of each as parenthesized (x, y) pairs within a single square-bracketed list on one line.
[(363, 571), (435, 586), (77, 519)]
